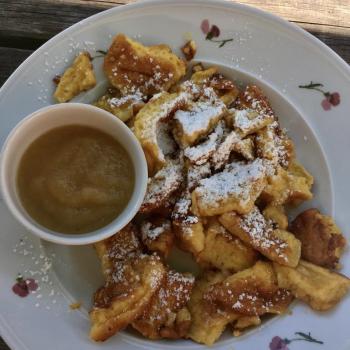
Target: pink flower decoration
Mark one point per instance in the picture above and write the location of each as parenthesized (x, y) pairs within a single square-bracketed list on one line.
[(215, 31), (20, 290), (277, 343), (334, 98), (326, 104), (212, 32), (205, 26), (330, 99), (31, 284), (24, 286)]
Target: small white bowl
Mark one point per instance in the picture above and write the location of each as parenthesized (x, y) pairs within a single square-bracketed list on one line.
[(45, 119)]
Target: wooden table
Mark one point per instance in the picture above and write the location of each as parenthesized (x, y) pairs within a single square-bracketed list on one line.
[(27, 24)]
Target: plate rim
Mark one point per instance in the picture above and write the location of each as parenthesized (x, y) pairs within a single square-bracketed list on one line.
[(6, 332)]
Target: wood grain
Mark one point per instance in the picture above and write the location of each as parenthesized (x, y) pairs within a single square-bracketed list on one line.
[(38, 20), (10, 59), (338, 40), (328, 12), (27, 24)]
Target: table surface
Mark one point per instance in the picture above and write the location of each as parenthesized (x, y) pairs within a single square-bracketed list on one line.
[(26, 24)]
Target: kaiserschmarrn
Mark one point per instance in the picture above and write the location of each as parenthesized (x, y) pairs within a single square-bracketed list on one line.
[(223, 174)]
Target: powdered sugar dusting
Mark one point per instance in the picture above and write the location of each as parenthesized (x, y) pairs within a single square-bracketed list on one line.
[(164, 139), (249, 121), (202, 114), (182, 213), (123, 245), (271, 145), (177, 292), (202, 152), (172, 296), (258, 229), (159, 113), (191, 88), (234, 181), (195, 173), (166, 181), (222, 154), (261, 233), (151, 232), (135, 98)]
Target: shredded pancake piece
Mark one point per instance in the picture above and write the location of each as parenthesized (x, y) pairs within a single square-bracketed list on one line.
[(273, 144), (207, 324), (167, 315), (199, 119), (131, 66), (251, 292), (248, 121), (320, 288), (77, 78), (222, 154), (146, 127), (235, 188), (252, 228), (182, 210), (188, 227), (253, 98), (224, 251), (127, 292), (125, 244), (123, 107), (202, 152), (162, 185), (322, 240), (157, 235), (195, 173)]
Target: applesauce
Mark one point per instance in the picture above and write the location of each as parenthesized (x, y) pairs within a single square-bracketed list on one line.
[(75, 179)]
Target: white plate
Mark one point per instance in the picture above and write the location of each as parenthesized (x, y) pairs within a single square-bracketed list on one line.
[(265, 48)]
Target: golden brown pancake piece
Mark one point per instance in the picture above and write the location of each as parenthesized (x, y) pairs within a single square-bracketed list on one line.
[(131, 66)]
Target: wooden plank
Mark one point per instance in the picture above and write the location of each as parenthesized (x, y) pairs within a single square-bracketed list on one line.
[(98, 3), (34, 21), (38, 20), (10, 59), (328, 12), (338, 40), (29, 23), (32, 30)]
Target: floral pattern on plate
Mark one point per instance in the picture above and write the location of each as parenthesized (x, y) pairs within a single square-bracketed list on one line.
[(212, 32), (330, 98), (24, 286), (278, 343)]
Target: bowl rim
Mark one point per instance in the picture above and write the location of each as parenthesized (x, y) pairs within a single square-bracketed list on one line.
[(135, 153)]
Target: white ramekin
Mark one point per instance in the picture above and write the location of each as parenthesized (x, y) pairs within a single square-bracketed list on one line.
[(45, 119)]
